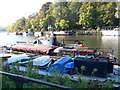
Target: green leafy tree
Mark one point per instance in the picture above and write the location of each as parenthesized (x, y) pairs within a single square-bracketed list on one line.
[(64, 24), (28, 24), (88, 15), (20, 24), (34, 24), (59, 11), (74, 8), (11, 27), (94, 14), (106, 16), (43, 10), (118, 9), (44, 18), (43, 24)]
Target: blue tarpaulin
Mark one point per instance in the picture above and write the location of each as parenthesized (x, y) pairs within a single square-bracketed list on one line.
[(69, 65), (60, 63)]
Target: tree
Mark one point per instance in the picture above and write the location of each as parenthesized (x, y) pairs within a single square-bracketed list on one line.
[(28, 24), (50, 20), (107, 12), (64, 24), (88, 15), (59, 11), (20, 24), (11, 28), (74, 15), (44, 9), (43, 24), (96, 15), (74, 8)]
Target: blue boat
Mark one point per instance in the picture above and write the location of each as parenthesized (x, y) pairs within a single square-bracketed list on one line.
[(59, 64)]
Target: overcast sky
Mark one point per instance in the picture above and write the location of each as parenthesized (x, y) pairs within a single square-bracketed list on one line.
[(12, 10)]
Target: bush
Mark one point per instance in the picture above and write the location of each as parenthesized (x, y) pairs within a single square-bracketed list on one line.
[(57, 78)]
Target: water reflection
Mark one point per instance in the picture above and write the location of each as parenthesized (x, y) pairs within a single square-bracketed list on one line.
[(112, 42), (11, 39), (90, 41)]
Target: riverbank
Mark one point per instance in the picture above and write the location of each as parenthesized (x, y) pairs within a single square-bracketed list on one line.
[(65, 32), (76, 32)]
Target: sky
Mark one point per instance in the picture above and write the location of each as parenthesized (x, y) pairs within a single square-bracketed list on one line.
[(12, 10)]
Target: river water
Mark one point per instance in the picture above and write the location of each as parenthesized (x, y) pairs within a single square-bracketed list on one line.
[(89, 40)]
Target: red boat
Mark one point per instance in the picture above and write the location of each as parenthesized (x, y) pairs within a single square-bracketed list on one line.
[(34, 48)]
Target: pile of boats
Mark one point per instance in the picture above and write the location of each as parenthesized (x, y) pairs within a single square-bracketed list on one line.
[(70, 58), (94, 68)]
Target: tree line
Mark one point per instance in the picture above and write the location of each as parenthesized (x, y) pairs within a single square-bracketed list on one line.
[(70, 15)]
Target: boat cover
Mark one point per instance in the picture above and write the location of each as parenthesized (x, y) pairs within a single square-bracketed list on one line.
[(69, 65), (17, 58), (59, 64), (69, 68), (35, 48), (103, 68), (41, 61)]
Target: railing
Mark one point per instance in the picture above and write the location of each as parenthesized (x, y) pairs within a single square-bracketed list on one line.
[(20, 80)]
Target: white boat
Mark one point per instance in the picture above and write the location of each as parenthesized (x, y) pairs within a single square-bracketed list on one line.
[(114, 32), (41, 61), (28, 33), (41, 40), (46, 41), (38, 34)]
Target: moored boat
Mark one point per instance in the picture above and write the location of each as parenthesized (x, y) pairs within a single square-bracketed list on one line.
[(34, 48), (44, 45), (17, 58), (41, 61), (114, 32)]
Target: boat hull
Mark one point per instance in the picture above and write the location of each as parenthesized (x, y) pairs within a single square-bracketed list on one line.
[(114, 32), (110, 33)]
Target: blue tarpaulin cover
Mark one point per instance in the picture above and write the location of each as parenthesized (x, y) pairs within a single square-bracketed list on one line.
[(69, 65), (60, 63)]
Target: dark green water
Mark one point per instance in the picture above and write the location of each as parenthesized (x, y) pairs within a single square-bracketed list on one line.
[(89, 40)]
